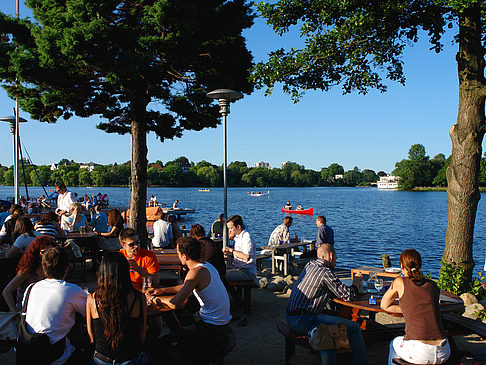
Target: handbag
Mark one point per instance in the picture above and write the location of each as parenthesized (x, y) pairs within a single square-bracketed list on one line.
[(9, 322), (329, 337), (35, 347)]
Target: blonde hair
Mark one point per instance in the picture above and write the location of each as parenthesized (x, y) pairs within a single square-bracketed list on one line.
[(75, 206)]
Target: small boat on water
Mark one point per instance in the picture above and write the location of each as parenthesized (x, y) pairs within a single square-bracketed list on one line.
[(309, 211), (258, 194), (204, 190)]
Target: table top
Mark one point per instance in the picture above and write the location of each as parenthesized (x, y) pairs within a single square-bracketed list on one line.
[(78, 235), (378, 270), (153, 310), (290, 245), (362, 303), (168, 258)]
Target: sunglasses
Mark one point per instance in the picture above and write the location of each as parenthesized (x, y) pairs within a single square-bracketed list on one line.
[(133, 244)]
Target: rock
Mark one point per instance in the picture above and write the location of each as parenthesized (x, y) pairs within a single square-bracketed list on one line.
[(289, 279), (263, 282), (471, 309), (468, 299), (277, 284), (266, 273)]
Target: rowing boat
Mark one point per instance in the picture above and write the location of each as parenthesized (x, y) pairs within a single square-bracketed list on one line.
[(303, 211)]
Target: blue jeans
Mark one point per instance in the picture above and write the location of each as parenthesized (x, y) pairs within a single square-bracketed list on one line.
[(141, 359), (305, 322)]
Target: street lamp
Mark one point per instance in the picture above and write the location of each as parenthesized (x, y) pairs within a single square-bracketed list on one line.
[(14, 129), (225, 97)]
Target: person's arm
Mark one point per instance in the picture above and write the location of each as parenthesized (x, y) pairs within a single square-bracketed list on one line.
[(13, 251), (388, 301), (239, 254), (89, 317), (190, 283), (11, 288), (109, 234), (165, 291), (337, 287), (286, 235)]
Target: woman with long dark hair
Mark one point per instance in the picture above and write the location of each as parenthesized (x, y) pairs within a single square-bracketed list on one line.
[(29, 271), (425, 341), (24, 235), (116, 315), (116, 222)]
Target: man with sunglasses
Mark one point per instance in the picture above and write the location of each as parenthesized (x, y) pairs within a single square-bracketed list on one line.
[(143, 263)]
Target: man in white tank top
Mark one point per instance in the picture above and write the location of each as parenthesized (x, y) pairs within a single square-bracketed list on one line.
[(208, 338)]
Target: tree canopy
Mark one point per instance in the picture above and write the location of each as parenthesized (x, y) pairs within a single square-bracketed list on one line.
[(143, 66), (359, 44)]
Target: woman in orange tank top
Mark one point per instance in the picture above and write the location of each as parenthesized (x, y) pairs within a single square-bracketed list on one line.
[(425, 341)]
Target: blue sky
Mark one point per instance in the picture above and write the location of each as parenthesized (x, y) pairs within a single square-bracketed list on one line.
[(372, 131)]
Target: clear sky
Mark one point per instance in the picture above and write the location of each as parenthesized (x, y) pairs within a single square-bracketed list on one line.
[(372, 131)]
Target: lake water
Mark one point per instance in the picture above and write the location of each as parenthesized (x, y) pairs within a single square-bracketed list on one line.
[(367, 222)]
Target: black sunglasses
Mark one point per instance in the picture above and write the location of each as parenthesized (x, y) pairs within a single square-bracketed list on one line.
[(133, 244)]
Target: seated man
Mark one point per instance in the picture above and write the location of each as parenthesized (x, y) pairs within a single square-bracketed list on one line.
[(206, 339), (281, 233), (143, 263), (163, 235), (244, 266), (99, 222), (217, 227), (312, 291), (288, 206), (53, 302)]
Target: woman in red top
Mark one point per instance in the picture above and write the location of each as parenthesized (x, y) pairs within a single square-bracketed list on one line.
[(425, 341)]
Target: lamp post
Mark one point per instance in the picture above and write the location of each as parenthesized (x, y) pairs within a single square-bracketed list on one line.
[(14, 129), (225, 97)]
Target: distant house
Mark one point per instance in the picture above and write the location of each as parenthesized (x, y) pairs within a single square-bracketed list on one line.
[(156, 166), (338, 176), (88, 166), (185, 167), (282, 164), (54, 166), (265, 165), (388, 182)]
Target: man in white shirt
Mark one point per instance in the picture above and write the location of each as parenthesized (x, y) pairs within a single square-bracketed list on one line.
[(244, 266), (162, 232), (53, 303), (64, 199)]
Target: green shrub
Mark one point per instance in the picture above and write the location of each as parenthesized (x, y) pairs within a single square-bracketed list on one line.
[(452, 280)]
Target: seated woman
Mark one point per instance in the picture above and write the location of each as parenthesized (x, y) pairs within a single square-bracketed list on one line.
[(49, 225), (29, 271), (425, 341), (116, 222), (7, 231), (25, 233), (76, 219), (116, 315)]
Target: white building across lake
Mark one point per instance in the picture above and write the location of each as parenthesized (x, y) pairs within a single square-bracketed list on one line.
[(388, 182)]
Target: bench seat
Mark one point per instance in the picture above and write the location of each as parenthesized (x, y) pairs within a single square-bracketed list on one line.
[(243, 289)]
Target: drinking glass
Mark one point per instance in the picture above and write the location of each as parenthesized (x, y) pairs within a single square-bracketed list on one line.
[(371, 279), (378, 285)]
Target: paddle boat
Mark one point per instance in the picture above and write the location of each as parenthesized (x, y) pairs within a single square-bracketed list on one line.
[(309, 211), (258, 194), (204, 190)]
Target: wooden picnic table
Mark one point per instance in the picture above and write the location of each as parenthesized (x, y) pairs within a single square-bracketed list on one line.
[(168, 260), (378, 270), (353, 309), (288, 253)]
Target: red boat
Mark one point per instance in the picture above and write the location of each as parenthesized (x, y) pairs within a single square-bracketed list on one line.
[(309, 211)]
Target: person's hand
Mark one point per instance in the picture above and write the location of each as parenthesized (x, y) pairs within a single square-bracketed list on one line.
[(156, 291), (358, 280), (134, 266), (227, 250)]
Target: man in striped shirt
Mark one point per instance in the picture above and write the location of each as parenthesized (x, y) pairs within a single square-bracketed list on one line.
[(314, 288)]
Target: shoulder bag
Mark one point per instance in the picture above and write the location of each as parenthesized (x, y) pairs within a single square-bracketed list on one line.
[(330, 337)]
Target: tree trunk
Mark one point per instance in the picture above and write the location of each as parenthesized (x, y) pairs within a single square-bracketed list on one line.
[(138, 218), (466, 136)]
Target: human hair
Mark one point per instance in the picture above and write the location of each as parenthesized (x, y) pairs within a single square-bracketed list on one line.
[(13, 207), (48, 218), (190, 247), (23, 225), (412, 261), (127, 233), (75, 206), (321, 219), (55, 263), (197, 231), (111, 296), (18, 212), (221, 216), (288, 221), (114, 218), (160, 214), (31, 259), (236, 220), (60, 185), (171, 218)]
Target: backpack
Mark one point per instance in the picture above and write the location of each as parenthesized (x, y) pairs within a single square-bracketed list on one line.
[(35, 347)]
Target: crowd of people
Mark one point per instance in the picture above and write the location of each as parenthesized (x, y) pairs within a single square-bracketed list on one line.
[(116, 313)]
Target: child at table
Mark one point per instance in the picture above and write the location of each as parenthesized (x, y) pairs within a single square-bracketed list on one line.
[(425, 341)]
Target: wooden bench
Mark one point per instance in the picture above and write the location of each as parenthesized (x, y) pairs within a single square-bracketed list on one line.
[(293, 338), (259, 260), (465, 324), (243, 289)]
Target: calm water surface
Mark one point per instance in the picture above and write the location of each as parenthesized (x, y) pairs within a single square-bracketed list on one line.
[(366, 222)]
